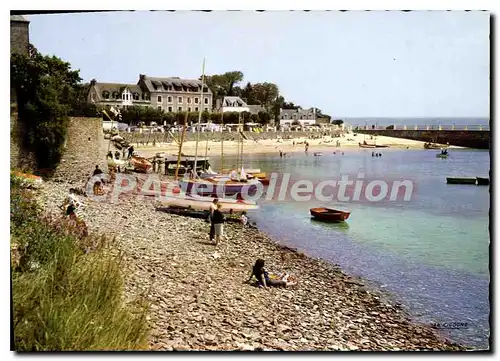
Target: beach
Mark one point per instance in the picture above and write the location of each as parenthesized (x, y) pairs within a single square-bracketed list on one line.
[(199, 300), (268, 146)]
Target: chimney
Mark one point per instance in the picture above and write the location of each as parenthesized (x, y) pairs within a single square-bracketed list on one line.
[(93, 82), (142, 77)]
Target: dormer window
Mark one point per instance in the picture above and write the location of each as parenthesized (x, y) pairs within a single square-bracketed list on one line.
[(105, 94), (116, 95), (136, 96)]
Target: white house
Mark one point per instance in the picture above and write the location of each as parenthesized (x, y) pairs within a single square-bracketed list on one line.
[(234, 104), (303, 116)]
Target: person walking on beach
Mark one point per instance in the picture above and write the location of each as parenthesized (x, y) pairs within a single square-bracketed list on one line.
[(213, 207), (130, 151), (218, 220)]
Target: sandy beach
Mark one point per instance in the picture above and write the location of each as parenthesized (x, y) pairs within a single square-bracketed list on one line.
[(270, 146)]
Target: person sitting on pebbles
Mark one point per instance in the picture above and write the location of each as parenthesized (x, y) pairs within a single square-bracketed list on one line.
[(264, 280)]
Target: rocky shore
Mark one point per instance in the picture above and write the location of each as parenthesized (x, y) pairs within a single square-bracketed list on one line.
[(199, 301)]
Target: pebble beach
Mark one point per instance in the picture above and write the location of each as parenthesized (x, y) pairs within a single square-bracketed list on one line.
[(197, 295), (199, 299)]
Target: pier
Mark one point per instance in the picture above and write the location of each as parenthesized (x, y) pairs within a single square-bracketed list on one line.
[(472, 136)]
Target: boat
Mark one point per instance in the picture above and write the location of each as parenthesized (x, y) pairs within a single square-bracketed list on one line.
[(216, 187), (264, 181), (381, 146), (141, 164), (329, 214), (442, 155), (185, 201), (318, 154), (481, 181), (460, 180), (367, 145)]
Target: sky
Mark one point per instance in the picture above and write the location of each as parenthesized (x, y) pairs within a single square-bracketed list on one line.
[(348, 64)]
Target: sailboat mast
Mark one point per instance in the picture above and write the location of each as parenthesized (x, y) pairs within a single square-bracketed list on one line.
[(222, 142), (242, 140), (180, 146), (240, 130), (238, 149), (199, 118)]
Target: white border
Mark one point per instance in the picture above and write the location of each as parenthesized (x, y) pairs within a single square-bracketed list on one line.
[(190, 5)]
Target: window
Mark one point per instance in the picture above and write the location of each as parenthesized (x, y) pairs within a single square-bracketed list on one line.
[(206, 100), (170, 109), (206, 109), (105, 95), (196, 109), (196, 100), (160, 107), (159, 99), (189, 100), (179, 109), (169, 99), (179, 100), (123, 96), (136, 96), (189, 109)]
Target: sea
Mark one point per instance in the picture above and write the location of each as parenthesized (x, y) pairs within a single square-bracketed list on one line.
[(429, 252)]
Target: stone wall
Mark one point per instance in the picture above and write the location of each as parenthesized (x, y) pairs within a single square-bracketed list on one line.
[(19, 37), (85, 148), (19, 158), (479, 139)]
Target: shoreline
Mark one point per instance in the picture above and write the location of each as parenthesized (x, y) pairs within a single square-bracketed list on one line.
[(273, 146), (199, 301)]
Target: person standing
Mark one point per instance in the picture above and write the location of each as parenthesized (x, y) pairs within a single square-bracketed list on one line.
[(218, 220), (213, 207)]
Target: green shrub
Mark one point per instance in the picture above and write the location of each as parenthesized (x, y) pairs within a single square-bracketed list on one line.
[(67, 288)]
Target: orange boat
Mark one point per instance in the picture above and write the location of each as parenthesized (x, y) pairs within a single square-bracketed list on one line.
[(264, 181), (141, 164), (329, 214)]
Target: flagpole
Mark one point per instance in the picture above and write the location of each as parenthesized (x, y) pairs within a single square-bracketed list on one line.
[(199, 118)]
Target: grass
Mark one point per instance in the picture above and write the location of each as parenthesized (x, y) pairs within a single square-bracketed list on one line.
[(67, 288)]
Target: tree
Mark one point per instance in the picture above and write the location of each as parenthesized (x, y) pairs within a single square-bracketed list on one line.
[(265, 94), (247, 94), (46, 89), (263, 117), (290, 105), (224, 84)]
